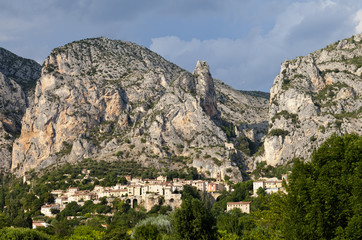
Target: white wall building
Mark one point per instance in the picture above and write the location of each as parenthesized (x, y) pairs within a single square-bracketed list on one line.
[(46, 209), (243, 206)]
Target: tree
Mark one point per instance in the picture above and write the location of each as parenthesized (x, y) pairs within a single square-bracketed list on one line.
[(2, 198), (190, 192), (28, 200), (193, 221), (47, 197), (242, 192), (116, 234), (324, 196), (86, 232), (22, 233), (4, 221), (71, 209), (88, 207), (234, 222), (147, 232), (62, 228)]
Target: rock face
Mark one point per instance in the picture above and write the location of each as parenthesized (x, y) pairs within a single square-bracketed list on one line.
[(114, 100), (312, 98), (247, 110), (205, 88), (106, 99), (17, 81)]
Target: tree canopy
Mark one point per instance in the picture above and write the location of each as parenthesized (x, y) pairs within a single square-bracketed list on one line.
[(325, 195)]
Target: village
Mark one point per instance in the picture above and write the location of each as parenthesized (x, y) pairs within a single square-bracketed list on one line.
[(138, 191), (149, 192)]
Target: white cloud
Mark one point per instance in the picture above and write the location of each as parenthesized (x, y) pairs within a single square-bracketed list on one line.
[(251, 62), (358, 20), (243, 41)]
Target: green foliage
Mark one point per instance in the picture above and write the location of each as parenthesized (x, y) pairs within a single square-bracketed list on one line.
[(189, 173), (85, 233), (161, 224), (356, 60), (268, 171), (4, 221), (147, 232), (286, 115), (245, 145), (269, 217), (329, 92), (324, 196), (119, 153), (67, 148), (260, 151), (217, 161), (228, 128), (112, 172), (278, 132), (344, 114), (324, 72), (193, 221), (71, 209), (234, 222), (127, 219), (189, 192), (242, 192), (286, 84), (22, 233)]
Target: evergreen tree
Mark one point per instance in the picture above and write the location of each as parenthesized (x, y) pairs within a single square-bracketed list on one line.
[(193, 221), (325, 196)]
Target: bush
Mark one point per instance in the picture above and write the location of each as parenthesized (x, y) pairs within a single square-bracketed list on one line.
[(119, 153), (278, 132), (22, 233), (161, 223)]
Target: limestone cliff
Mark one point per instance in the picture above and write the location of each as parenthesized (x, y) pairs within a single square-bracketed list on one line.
[(106, 99), (17, 81), (312, 98)]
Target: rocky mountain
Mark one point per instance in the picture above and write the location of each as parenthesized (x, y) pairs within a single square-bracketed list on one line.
[(114, 100), (314, 97), (17, 80), (246, 110)]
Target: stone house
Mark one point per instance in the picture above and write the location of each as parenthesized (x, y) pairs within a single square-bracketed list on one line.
[(243, 206), (37, 224), (270, 185), (46, 209)]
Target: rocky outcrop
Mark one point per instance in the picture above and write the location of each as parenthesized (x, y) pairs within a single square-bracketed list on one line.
[(113, 100), (205, 88), (314, 97), (17, 81)]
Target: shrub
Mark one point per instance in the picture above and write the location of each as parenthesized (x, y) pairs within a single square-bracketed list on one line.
[(119, 153), (286, 115), (278, 132)]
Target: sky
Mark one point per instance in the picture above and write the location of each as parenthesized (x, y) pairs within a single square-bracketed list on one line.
[(243, 41)]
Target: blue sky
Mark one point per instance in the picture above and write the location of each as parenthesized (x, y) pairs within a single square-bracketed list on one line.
[(244, 41)]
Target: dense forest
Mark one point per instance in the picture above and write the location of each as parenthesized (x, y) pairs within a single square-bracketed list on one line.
[(323, 201)]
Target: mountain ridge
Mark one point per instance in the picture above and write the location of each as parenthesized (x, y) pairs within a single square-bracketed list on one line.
[(17, 80), (109, 99), (314, 97)]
